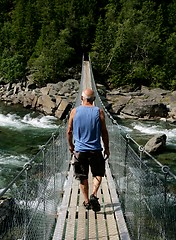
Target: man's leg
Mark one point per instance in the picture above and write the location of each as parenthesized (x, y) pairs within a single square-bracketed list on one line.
[(97, 164), (84, 186), (96, 184), (93, 198)]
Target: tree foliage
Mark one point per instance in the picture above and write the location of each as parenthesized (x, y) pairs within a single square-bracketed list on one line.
[(131, 42)]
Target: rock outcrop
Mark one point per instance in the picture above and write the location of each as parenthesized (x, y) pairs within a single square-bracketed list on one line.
[(54, 99), (146, 104)]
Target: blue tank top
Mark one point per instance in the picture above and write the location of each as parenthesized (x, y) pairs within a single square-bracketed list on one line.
[(86, 129)]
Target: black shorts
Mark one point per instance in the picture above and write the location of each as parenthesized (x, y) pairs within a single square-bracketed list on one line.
[(82, 161)]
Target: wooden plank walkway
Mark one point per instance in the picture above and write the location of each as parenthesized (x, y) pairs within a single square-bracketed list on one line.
[(75, 222)]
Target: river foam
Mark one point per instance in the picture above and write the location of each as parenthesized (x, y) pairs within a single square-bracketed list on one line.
[(15, 121), (16, 160), (153, 129)]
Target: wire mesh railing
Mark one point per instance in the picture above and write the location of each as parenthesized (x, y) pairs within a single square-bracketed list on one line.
[(29, 204), (147, 189)]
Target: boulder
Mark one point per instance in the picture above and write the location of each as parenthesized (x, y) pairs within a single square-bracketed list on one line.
[(62, 109), (142, 108), (46, 104), (28, 99), (156, 144), (172, 113), (64, 90), (34, 102), (118, 103), (44, 90), (58, 100), (54, 88), (71, 84)]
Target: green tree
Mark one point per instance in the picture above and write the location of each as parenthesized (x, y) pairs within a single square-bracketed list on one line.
[(130, 41), (50, 63), (105, 44), (135, 47), (12, 67)]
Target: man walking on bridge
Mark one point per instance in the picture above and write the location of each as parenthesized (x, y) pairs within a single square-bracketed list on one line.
[(86, 127)]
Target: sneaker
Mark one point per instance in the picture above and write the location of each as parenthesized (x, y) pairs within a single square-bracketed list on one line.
[(94, 203), (87, 205)]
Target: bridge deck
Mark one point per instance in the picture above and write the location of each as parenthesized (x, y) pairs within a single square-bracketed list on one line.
[(75, 222)]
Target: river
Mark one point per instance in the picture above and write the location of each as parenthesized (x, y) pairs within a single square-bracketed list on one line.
[(23, 132), (142, 131)]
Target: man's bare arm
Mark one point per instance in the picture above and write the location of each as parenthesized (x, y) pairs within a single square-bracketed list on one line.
[(69, 131), (105, 135)]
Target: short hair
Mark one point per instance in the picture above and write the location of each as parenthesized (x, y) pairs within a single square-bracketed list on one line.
[(89, 98)]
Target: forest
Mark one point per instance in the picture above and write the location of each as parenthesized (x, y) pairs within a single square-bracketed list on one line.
[(130, 42)]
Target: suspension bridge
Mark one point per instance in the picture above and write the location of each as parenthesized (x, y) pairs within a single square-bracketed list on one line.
[(137, 194)]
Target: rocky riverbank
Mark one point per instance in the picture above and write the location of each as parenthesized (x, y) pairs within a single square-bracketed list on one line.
[(54, 99), (57, 98), (143, 104)]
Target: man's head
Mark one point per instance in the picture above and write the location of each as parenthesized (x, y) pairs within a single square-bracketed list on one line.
[(88, 95)]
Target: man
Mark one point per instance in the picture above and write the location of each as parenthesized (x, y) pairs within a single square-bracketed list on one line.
[(86, 126)]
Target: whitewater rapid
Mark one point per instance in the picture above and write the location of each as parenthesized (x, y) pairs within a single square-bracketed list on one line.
[(20, 134), (153, 129), (15, 121)]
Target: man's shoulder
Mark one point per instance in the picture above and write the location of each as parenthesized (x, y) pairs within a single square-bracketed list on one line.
[(72, 113)]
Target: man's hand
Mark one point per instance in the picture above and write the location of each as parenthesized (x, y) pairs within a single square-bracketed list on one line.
[(71, 148), (106, 154)]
